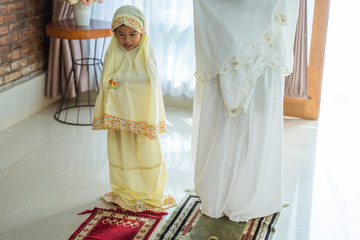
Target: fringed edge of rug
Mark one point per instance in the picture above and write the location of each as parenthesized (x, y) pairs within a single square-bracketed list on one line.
[(285, 204), (120, 210), (190, 192)]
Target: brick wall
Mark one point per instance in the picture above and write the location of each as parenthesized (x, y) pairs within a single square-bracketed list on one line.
[(23, 41)]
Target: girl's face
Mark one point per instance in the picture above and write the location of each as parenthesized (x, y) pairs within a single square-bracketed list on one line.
[(127, 37)]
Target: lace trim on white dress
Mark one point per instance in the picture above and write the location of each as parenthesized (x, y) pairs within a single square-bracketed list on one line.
[(259, 56)]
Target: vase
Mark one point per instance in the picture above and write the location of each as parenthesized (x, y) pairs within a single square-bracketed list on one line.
[(81, 14)]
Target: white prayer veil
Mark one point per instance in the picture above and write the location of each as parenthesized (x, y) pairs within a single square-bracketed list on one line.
[(237, 39)]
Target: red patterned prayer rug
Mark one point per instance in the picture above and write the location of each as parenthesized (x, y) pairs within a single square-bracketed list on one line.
[(111, 224), (187, 222)]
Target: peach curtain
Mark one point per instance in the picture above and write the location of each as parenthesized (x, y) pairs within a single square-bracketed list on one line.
[(296, 83), (61, 54)]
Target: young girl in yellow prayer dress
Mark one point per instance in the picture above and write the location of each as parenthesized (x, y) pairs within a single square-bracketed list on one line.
[(130, 106)]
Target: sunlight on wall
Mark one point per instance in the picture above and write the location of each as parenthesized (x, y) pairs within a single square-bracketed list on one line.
[(337, 160)]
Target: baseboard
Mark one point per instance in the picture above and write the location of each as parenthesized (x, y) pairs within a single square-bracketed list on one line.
[(22, 101)]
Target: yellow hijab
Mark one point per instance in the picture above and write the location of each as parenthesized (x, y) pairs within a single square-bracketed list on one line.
[(130, 96)]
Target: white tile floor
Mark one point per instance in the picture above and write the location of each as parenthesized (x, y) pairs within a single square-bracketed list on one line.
[(51, 171)]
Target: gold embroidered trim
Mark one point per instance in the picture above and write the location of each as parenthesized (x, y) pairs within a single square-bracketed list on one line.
[(139, 206), (136, 127)]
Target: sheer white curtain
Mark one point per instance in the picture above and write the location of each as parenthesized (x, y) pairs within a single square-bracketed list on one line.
[(171, 33)]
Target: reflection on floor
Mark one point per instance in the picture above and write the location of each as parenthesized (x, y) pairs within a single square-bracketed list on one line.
[(51, 171)]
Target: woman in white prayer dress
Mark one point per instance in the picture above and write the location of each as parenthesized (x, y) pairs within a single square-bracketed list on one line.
[(244, 49)]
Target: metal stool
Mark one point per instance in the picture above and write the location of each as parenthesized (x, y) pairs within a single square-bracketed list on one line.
[(76, 104)]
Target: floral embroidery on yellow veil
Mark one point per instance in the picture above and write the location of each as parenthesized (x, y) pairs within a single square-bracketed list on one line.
[(112, 84)]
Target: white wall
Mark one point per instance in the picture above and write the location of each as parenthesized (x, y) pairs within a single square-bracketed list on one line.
[(23, 100)]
